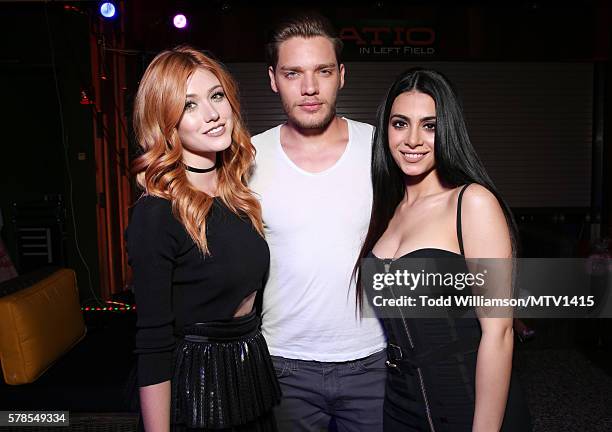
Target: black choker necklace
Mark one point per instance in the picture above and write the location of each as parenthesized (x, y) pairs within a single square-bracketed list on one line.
[(200, 170)]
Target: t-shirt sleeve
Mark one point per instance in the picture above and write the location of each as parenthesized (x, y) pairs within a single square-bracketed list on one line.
[(153, 240)]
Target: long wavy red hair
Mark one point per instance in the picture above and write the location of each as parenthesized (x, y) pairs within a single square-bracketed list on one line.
[(159, 170)]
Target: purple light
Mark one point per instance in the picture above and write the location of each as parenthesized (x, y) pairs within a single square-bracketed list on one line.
[(179, 21)]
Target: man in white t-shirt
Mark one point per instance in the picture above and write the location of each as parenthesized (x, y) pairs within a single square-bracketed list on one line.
[(312, 175)]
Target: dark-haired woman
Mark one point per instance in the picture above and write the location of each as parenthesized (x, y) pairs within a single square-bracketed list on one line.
[(198, 254), (433, 199)]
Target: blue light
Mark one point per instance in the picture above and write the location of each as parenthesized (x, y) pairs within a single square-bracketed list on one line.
[(108, 10)]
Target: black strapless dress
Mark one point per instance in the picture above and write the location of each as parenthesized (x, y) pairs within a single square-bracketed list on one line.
[(432, 388), (432, 367)]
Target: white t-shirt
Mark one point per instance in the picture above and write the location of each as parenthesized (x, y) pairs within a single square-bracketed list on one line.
[(315, 224)]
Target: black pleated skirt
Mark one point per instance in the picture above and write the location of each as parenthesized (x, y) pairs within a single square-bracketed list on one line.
[(224, 378)]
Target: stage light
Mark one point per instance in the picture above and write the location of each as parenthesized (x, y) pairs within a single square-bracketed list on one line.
[(180, 21), (108, 10)]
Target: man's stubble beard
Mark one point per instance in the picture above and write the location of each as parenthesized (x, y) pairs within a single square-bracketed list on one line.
[(313, 124)]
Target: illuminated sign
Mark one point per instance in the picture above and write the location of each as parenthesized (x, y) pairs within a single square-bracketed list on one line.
[(390, 40)]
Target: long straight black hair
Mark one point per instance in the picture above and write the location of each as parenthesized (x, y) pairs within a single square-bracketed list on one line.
[(455, 158)]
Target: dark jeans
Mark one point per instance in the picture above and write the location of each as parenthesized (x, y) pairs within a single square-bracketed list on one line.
[(322, 396)]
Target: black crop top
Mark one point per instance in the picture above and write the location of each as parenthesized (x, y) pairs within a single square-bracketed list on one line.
[(176, 285)]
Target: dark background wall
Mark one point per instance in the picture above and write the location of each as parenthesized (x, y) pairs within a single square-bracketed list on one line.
[(36, 163), (506, 30)]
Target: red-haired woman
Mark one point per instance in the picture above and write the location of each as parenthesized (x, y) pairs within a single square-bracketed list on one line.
[(197, 253)]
